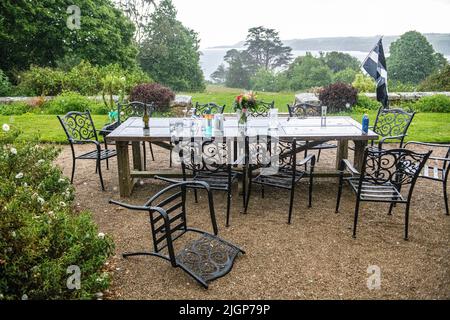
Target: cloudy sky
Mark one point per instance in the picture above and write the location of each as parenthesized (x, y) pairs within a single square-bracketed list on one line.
[(225, 22)]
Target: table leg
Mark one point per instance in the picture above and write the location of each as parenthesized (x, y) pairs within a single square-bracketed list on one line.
[(123, 165), (358, 161), (137, 156), (342, 152)]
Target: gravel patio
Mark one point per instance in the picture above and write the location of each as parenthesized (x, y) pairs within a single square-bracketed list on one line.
[(314, 258)]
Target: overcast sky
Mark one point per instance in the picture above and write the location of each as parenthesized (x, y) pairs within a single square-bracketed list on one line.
[(225, 22)]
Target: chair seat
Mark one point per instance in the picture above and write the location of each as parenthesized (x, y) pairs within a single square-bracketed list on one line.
[(279, 180), (377, 192), (217, 181), (208, 257), (104, 154)]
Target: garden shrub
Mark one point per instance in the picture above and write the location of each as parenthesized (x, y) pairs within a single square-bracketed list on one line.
[(436, 103), (367, 103), (39, 81), (346, 76), (5, 85), (364, 83), (73, 101), (84, 78), (153, 93), (338, 96), (41, 235), (439, 81), (16, 108)]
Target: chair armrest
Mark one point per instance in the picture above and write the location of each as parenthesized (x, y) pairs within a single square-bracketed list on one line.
[(345, 164), (428, 144), (439, 158), (311, 158), (383, 140), (129, 206), (188, 183), (88, 141)]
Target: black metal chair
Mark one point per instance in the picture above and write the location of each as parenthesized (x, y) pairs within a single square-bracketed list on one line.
[(304, 110), (80, 129), (277, 162), (209, 161), (211, 108), (262, 109), (205, 259), (439, 173), (391, 124), (125, 111), (383, 175)]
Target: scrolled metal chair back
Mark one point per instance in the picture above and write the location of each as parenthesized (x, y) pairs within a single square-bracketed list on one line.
[(264, 151), (396, 166), (210, 155), (392, 122), (133, 109), (304, 110), (78, 126), (211, 107), (262, 109)]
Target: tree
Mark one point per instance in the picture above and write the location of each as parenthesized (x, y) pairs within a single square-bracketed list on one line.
[(265, 80), (220, 74), (338, 61), (238, 74), (170, 51), (412, 58), (36, 32), (139, 12), (309, 72), (266, 49), (439, 81), (346, 76)]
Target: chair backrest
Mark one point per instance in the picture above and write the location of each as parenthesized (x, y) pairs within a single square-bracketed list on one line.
[(167, 215), (304, 110), (210, 107), (78, 126), (200, 155), (392, 122), (133, 109), (396, 166), (262, 109)]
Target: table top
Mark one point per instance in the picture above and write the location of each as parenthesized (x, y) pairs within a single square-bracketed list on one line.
[(308, 129)]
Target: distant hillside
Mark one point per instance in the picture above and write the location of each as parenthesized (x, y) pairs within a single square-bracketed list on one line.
[(440, 42)]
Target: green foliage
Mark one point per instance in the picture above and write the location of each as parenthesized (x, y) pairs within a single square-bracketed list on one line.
[(338, 97), (412, 59), (170, 51), (339, 61), (396, 86), (266, 49), (40, 234), (365, 103), (5, 85), (309, 72), (439, 81), (364, 83), (346, 76), (16, 108), (36, 33), (83, 78), (436, 103), (41, 81), (73, 101), (220, 74), (239, 69), (265, 80)]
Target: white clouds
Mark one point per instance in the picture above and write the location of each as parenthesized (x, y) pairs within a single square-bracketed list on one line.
[(221, 22)]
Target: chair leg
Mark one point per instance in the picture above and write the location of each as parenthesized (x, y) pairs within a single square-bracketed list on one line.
[(406, 221), (228, 207), (249, 191), (355, 222), (107, 159), (291, 204), (391, 207), (73, 170), (195, 196), (144, 149), (446, 198), (262, 191), (99, 166), (170, 155), (310, 191), (318, 155), (339, 195), (151, 151)]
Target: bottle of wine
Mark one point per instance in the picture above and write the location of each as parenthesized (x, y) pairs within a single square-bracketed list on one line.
[(146, 119)]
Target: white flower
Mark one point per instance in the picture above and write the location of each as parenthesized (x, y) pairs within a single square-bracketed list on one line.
[(13, 234), (61, 180), (62, 204), (13, 151), (24, 297), (347, 105), (51, 214), (19, 175), (1, 296), (5, 127), (101, 235), (25, 184), (40, 200), (40, 161)]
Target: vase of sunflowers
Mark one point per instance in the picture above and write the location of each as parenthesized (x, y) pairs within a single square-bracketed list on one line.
[(244, 104)]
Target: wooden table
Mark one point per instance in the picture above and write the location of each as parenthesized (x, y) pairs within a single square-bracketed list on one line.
[(342, 129)]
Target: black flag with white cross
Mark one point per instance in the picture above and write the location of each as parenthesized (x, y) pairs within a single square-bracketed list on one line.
[(375, 66)]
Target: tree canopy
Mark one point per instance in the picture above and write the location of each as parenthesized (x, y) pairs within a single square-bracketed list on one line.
[(339, 61), (412, 59), (170, 51), (36, 32)]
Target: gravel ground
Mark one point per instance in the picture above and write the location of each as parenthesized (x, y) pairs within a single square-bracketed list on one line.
[(314, 258)]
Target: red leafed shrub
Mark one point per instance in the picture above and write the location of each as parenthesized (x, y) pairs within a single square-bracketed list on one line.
[(153, 93), (338, 96)]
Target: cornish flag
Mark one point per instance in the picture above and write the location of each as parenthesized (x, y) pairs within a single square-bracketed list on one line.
[(375, 66)]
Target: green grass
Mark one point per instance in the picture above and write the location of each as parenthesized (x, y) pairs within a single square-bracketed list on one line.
[(427, 127)]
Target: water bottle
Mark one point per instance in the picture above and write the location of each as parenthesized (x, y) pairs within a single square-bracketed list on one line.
[(365, 124)]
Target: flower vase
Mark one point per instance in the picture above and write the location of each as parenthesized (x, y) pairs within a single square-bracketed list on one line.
[(242, 116)]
